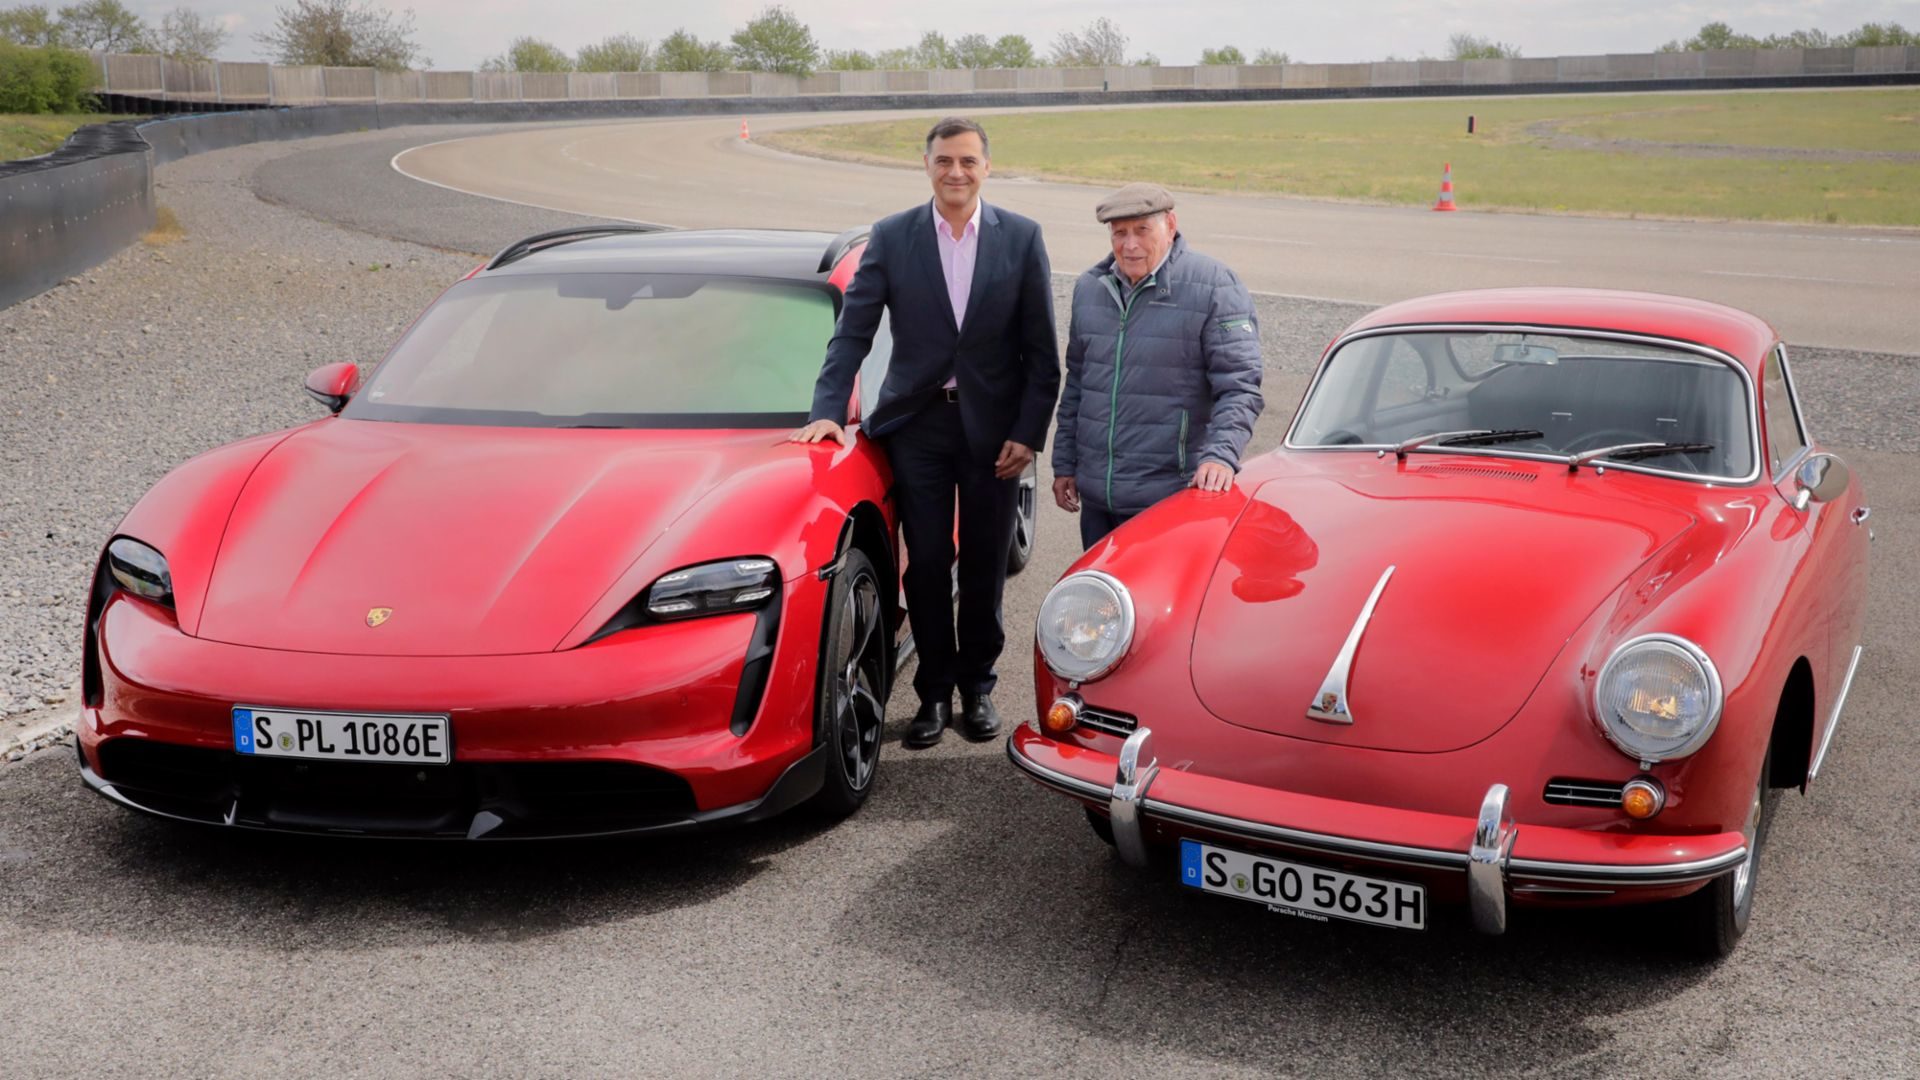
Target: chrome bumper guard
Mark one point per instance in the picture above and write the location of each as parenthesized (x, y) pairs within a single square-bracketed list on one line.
[(1488, 862)]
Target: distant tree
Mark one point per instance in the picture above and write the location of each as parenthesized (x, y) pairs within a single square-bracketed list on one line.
[(1714, 35), (1797, 39), (620, 52), (343, 33), (1013, 51), (776, 40), (846, 60), (185, 34), (1145, 60), (529, 54), (1870, 35), (1225, 54), (895, 59), (1101, 44), (933, 52), (1270, 57), (681, 51), (31, 25), (1472, 47), (105, 25), (973, 51)]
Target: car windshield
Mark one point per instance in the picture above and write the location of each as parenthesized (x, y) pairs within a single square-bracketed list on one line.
[(1535, 394), (608, 350)]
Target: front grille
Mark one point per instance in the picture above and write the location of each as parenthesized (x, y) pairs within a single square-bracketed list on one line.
[(1492, 471), (1108, 721), (531, 798), (1583, 792)]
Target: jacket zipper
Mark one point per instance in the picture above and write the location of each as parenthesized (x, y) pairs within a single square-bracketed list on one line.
[(1113, 400)]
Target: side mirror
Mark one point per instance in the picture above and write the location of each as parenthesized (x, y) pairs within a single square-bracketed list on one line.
[(333, 384), (1820, 478)]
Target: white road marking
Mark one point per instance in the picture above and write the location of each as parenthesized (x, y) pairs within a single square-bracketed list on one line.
[(394, 164), (1495, 258), (1792, 277)]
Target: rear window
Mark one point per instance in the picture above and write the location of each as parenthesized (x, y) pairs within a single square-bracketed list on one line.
[(608, 350)]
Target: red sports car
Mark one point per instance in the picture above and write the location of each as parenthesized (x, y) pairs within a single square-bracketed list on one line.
[(1546, 593), (554, 570)]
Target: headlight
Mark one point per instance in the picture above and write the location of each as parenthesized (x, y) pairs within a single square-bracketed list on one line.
[(1658, 698), (140, 570), (1086, 624), (711, 588)]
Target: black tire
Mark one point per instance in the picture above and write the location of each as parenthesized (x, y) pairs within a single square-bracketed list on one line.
[(1718, 915), (850, 706), (1026, 522)]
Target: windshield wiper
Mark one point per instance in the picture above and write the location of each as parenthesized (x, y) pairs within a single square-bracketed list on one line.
[(1635, 451), (1475, 437)]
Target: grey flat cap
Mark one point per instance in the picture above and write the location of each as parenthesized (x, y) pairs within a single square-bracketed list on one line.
[(1134, 200)]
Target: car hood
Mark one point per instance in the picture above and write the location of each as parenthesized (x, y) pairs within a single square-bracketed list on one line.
[(1485, 591), (476, 541)]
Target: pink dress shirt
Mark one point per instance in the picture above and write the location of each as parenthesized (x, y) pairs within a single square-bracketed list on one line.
[(956, 261)]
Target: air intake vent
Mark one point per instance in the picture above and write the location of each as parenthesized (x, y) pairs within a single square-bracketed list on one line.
[(1583, 792), (1113, 723), (1491, 471)]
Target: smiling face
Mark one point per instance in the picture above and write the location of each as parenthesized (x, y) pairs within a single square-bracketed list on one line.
[(957, 165), (1140, 243)]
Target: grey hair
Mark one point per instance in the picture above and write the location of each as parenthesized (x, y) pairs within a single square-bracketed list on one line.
[(958, 125)]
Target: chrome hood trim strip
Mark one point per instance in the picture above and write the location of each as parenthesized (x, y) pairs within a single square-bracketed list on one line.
[(1330, 702)]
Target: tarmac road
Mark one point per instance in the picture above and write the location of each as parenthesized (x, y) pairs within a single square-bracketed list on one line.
[(1821, 286), (964, 923)]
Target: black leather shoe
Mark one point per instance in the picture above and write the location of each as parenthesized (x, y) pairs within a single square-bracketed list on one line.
[(979, 720), (928, 725)]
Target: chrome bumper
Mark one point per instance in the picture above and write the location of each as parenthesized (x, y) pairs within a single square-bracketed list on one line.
[(1488, 862)]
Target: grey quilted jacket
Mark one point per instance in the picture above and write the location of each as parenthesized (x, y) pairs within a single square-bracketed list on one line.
[(1157, 381)]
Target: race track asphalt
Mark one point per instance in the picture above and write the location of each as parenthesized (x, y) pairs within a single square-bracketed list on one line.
[(964, 923)]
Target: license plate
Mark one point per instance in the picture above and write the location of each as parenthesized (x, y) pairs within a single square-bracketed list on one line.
[(1302, 890), (418, 740)]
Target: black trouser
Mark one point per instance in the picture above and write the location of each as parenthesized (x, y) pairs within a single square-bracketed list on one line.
[(930, 464), (1097, 521)]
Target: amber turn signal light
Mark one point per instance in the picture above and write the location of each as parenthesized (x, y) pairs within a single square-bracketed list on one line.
[(1062, 715), (1642, 798)]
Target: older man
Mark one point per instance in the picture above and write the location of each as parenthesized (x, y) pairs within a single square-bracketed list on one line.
[(1163, 370)]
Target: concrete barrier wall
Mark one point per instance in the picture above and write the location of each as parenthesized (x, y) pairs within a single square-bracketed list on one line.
[(448, 86), (299, 85), (253, 84), (350, 85), (73, 209)]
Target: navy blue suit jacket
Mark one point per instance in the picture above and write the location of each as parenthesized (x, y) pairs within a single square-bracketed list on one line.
[(1003, 355)]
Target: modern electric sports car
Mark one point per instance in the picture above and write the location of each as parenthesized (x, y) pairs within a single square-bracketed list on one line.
[(1546, 594), (553, 570)]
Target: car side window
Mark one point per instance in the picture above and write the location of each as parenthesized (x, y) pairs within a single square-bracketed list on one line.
[(1403, 377), (1784, 435)]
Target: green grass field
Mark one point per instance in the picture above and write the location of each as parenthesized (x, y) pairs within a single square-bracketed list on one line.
[(32, 135), (1769, 155)]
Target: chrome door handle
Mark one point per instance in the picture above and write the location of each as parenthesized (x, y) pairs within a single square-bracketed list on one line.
[(1860, 514)]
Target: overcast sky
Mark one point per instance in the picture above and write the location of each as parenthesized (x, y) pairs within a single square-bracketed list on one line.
[(458, 34)]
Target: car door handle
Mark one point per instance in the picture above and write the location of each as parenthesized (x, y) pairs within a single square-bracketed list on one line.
[(1860, 514)]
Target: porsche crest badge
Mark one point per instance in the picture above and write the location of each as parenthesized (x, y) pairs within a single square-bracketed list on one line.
[(376, 616)]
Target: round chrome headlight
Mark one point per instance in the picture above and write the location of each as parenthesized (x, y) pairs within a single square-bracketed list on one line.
[(1658, 698), (1086, 624)]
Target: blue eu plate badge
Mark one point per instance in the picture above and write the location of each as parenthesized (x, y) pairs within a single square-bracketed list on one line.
[(243, 730)]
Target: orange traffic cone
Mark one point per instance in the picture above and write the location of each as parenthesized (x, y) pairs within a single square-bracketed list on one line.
[(1446, 188), (743, 127)]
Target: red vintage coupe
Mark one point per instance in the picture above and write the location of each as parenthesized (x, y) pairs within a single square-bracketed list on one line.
[(1546, 594), (554, 570)]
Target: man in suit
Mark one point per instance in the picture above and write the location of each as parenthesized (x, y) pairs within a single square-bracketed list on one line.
[(964, 406)]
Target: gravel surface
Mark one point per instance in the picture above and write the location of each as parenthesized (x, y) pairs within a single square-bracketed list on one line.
[(964, 923)]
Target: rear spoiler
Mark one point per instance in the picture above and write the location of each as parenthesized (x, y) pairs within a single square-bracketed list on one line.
[(521, 248), (842, 244)]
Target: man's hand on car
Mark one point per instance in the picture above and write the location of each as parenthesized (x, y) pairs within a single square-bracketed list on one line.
[(818, 430), (1212, 476)]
